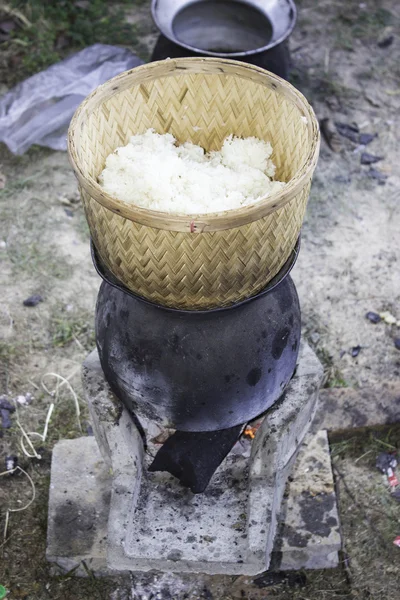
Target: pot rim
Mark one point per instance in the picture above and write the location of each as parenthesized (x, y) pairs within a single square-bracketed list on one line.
[(165, 22), (109, 278)]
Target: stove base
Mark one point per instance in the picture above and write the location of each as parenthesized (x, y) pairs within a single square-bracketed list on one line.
[(152, 522)]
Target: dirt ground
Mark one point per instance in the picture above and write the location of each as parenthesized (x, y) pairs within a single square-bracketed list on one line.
[(348, 265)]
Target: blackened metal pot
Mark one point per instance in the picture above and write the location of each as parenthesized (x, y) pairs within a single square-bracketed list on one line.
[(253, 31), (198, 370), (276, 60)]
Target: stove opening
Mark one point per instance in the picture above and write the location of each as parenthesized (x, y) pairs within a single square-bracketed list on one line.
[(223, 27)]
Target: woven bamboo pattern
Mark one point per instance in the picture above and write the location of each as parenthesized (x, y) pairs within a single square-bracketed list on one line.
[(196, 261)]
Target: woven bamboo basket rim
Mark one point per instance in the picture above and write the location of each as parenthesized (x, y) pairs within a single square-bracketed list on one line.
[(194, 223)]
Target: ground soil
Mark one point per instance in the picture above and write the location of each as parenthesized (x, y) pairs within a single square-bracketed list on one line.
[(348, 265)]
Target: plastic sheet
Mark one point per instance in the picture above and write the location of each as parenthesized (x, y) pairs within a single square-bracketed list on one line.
[(39, 109)]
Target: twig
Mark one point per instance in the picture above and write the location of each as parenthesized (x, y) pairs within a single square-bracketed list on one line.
[(385, 444), (12, 510), (25, 435), (362, 456), (54, 393)]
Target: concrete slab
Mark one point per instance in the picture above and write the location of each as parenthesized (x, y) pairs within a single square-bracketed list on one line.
[(155, 523), (309, 523), (79, 506), (342, 409)]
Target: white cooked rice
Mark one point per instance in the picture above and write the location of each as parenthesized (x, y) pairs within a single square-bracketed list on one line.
[(153, 172)]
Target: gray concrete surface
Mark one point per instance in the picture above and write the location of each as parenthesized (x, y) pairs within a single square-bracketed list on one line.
[(308, 533), (155, 523)]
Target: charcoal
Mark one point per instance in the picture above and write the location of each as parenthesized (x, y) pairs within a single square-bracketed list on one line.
[(342, 179), (6, 405), (33, 300), (193, 457), (351, 132), (386, 38), (378, 175), (373, 317), (369, 159), (5, 418), (366, 138)]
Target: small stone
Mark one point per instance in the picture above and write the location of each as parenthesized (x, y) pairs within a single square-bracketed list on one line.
[(68, 212), (386, 38), (27, 399), (11, 462), (366, 138), (33, 300), (5, 404), (314, 337), (342, 179), (355, 351), (378, 175), (397, 343), (351, 132), (369, 159), (373, 317), (5, 418)]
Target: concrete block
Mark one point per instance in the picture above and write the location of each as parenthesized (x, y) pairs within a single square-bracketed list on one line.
[(155, 523), (80, 492)]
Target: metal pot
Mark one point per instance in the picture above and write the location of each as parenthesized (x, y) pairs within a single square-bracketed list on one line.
[(253, 31), (198, 370)]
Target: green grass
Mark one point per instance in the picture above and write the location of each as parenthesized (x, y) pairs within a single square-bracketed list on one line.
[(68, 327), (49, 31), (364, 446), (365, 25)]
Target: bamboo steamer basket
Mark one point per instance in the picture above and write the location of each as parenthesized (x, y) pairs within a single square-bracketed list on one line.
[(196, 261)]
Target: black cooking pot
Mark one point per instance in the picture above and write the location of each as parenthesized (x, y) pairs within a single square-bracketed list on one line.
[(198, 370), (276, 60), (254, 31)]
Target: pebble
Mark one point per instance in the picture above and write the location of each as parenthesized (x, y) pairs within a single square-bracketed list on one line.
[(33, 300), (11, 462), (386, 38), (369, 159), (5, 418), (397, 343), (366, 138), (5, 404), (351, 132), (378, 175), (27, 399), (373, 317), (355, 351)]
